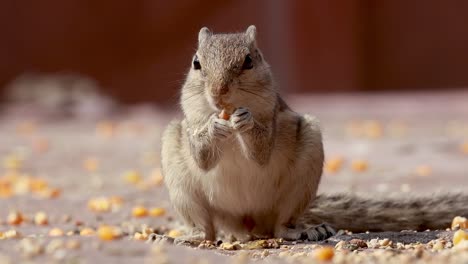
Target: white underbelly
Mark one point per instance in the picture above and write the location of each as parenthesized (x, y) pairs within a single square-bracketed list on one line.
[(239, 185)]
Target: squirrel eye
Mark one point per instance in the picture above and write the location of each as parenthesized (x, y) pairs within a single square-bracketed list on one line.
[(248, 63), (196, 63)]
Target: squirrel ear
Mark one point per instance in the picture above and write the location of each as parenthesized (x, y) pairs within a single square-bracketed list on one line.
[(203, 34), (251, 33)]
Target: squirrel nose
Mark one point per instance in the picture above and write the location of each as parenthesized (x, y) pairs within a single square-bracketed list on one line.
[(223, 90)]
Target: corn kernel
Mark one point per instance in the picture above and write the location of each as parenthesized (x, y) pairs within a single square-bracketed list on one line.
[(15, 218), (157, 211), (106, 129), (116, 200), (107, 233), (174, 233), (373, 129), (132, 177), (99, 204), (147, 231), (459, 236), (423, 170), (87, 231), (139, 236), (12, 162), (224, 115), (464, 148), (12, 234), (41, 218), (460, 222), (324, 254), (333, 165), (359, 165), (139, 211), (5, 191), (37, 185), (55, 232), (51, 193), (91, 164)]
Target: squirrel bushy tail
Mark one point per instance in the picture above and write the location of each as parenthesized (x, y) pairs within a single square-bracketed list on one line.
[(359, 213)]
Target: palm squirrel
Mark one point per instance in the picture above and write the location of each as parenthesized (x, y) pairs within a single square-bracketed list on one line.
[(254, 173)]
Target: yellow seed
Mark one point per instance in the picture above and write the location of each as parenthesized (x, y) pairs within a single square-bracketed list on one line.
[(359, 165), (225, 114), (12, 162), (50, 193), (100, 204), (41, 218), (15, 218), (132, 177), (37, 185), (139, 211), (139, 236), (2, 236), (460, 222), (423, 170), (157, 211), (12, 234), (174, 233), (87, 231), (333, 165), (373, 129), (5, 191), (460, 236), (107, 233), (106, 129), (147, 231), (91, 164), (55, 232), (438, 246), (324, 254), (464, 148), (116, 200)]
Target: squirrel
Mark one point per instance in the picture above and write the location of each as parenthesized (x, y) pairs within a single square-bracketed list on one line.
[(254, 172)]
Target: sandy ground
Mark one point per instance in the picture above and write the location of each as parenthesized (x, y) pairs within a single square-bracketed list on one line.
[(399, 144)]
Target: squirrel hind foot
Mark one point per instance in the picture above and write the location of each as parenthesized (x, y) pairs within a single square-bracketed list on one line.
[(318, 233), (314, 233)]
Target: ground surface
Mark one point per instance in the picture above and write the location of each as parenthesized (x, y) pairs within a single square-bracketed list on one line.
[(380, 145)]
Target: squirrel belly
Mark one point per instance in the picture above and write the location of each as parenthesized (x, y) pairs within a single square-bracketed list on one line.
[(240, 185)]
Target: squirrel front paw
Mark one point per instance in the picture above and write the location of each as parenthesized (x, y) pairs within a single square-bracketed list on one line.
[(242, 120), (219, 128)]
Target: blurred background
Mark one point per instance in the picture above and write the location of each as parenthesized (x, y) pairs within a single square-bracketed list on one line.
[(140, 50)]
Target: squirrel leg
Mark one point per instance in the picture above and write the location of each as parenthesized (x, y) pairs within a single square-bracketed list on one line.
[(186, 199), (300, 187)]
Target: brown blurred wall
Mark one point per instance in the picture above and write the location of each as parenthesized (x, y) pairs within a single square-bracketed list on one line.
[(140, 50)]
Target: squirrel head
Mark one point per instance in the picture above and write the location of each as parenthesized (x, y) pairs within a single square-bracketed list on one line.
[(230, 67)]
